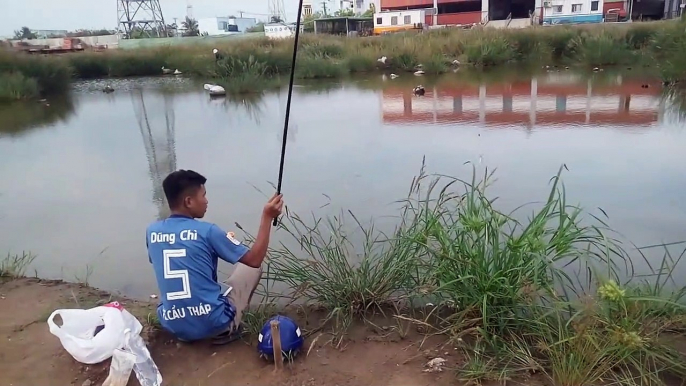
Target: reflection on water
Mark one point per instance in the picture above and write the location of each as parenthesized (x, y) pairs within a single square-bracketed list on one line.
[(160, 148), (19, 118), (86, 184), (551, 100)]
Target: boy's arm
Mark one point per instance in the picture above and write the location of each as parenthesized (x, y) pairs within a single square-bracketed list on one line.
[(225, 245), (257, 253), (231, 250)]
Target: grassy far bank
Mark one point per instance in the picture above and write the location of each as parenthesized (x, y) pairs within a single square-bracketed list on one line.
[(258, 63), (493, 287)]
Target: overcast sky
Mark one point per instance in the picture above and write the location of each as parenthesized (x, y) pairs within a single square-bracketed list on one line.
[(96, 14)]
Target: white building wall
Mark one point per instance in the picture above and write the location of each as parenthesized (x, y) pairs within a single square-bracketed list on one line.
[(209, 25), (213, 25), (278, 31), (386, 18), (572, 11)]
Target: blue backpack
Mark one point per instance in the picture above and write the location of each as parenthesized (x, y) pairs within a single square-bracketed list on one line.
[(291, 338)]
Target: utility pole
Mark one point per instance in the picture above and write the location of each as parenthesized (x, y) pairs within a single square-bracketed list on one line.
[(323, 3), (241, 12)]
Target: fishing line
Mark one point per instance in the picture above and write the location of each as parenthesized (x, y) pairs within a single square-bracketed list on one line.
[(288, 101)]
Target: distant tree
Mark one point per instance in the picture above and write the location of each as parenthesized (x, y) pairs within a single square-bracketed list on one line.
[(88, 32), (24, 33), (369, 12), (172, 30), (344, 13), (259, 27), (191, 27), (276, 19)]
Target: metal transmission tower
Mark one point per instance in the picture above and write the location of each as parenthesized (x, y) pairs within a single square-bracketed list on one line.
[(276, 9), (142, 17), (160, 144)]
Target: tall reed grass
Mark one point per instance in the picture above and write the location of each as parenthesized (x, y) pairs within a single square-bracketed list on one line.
[(15, 86), (14, 265), (323, 56), (500, 287), (27, 77)]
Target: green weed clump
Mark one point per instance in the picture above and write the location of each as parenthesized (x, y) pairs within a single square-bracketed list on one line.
[(326, 268), (28, 76), (600, 50), (241, 76), (669, 50), (319, 67), (15, 86), (14, 265), (489, 51), (489, 266)]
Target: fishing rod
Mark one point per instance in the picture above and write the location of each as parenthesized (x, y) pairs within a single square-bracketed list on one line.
[(288, 101)]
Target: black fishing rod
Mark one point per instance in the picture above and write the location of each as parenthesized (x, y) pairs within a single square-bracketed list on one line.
[(288, 102)]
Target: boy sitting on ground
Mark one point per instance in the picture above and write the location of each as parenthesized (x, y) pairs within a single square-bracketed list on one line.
[(184, 253)]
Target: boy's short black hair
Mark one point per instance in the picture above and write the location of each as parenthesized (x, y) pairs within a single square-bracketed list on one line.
[(180, 183)]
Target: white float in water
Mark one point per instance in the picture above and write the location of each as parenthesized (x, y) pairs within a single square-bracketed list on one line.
[(214, 89)]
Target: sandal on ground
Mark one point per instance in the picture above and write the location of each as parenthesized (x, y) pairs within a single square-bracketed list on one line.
[(228, 336)]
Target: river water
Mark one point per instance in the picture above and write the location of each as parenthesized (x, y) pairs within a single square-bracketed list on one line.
[(82, 174)]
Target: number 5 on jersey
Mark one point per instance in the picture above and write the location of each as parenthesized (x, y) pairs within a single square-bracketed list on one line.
[(182, 274)]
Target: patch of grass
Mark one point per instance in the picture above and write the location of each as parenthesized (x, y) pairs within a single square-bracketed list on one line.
[(487, 265), (436, 64), (489, 51), (15, 86), (359, 62), (41, 76), (325, 269), (600, 50), (319, 67), (14, 265), (665, 43), (243, 76), (255, 317)]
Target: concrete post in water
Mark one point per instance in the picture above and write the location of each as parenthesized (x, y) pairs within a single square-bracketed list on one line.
[(534, 97), (482, 103), (589, 96)]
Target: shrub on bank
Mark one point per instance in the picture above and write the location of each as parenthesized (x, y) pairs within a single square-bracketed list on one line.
[(29, 76), (322, 56), (499, 285), (15, 86)]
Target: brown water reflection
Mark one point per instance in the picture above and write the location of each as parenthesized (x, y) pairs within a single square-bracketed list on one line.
[(553, 99)]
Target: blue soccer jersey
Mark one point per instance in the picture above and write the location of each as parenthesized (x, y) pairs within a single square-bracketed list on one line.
[(184, 253)]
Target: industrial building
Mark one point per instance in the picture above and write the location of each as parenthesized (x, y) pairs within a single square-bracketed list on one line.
[(216, 26), (397, 15)]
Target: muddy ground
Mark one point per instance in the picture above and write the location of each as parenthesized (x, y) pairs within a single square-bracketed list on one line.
[(30, 355)]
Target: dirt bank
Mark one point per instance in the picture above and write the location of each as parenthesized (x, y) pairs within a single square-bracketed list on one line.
[(30, 355)]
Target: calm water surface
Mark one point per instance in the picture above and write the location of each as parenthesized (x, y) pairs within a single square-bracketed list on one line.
[(82, 176)]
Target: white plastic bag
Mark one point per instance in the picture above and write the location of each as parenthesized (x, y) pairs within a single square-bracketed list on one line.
[(120, 368), (78, 331)]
